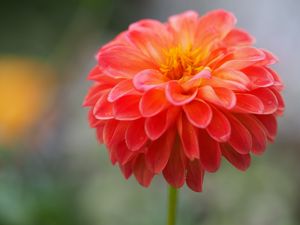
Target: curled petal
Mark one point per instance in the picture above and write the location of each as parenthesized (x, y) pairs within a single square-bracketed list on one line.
[(240, 161), (270, 124), (247, 103), (189, 138), (157, 160), (240, 138), (143, 175), (238, 37), (127, 108), (177, 96), (269, 59), (123, 88), (196, 80), (268, 99), (135, 135), (153, 102), (259, 76), (198, 113), (218, 96), (210, 153), (103, 109), (195, 175), (148, 79), (243, 57), (219, 128)]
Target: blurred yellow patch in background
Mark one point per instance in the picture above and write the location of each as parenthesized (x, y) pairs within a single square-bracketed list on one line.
[(24, 96)]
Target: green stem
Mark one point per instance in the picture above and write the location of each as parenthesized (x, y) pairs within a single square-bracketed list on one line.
[(172, 206)]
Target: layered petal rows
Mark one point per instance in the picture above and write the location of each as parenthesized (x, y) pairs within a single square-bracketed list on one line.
[(175, 97)]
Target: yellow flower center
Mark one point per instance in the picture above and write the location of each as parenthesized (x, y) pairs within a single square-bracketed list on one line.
[(179, 63)]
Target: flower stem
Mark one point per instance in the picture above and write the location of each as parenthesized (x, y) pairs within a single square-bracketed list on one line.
[(172, 206)]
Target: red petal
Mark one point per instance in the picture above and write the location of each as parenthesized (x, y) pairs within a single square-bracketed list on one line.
[(174, 172), (121, 151), (189, 138), (159, 151), (240, 161), (246, 103), (153, 102), (259, 138), (99, 133), (210, 153), (135, 135), (269, 59), (127, 108), (218, 96), (268, 99), (126, 169), (281, 104), (156, 126), (148, 79), (259, 76), (238, 37), (94, 94), (103, 109), (195, 175), (143, 175), (114, 132), (270, 125), (199, 113), (176, 95), (240, 138), (123, 88), (219, 128)]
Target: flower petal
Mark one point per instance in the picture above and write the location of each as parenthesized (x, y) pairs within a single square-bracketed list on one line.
[(148, 79), (259, 76), (270, 125), (198, 113), (219, 128), (247, 103), (240, 138), (123, 88), (159, 152), (210, 153), (143, 175), (218, 96), (177, 96), (240, 161), (189, 138), (238, 37), (243, 57), (268, 99), (174, 172), (195, 175), (259, 137), (103, 109), (127, 108), (135, 135), (121, 151)]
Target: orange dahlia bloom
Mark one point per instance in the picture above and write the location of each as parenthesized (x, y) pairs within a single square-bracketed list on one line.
[(175, 97)]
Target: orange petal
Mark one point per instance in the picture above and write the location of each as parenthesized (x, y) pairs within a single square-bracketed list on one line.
[(198, 113), (177, 96), (219, 96), (123, 88), (148, 79), (268, 99), (189, 138), (157, 160), (127, 108), (153, 102), (135, 135), (238, 37), (259, 76), (103, 109), (247, 103), (219, 128)]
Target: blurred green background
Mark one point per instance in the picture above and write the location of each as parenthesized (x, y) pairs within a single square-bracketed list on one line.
[(52, 170)]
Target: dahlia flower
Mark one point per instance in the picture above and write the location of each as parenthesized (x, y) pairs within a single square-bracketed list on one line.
[(173, 98)]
